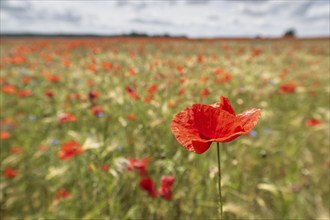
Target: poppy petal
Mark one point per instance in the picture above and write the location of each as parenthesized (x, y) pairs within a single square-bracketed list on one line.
[(186, 127), (249, 118), (198, 147), (225, 105)]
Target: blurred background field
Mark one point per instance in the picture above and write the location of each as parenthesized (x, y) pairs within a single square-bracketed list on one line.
[(116, 97)]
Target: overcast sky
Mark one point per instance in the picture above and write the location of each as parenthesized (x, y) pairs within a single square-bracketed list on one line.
[(193, 18)]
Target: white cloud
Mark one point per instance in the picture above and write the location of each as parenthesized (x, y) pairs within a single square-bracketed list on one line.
[(193, 18)]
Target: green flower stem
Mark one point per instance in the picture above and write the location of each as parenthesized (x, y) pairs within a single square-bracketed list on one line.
[(219, 183)]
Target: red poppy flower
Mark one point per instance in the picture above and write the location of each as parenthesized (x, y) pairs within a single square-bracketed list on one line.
[(24, 93), (92, 67), (49, 93), (312, 122), (140, 165), (9, 89), (17, 59), (182, 91), (197, 126), (200, 58), (96, 110), (10, 173), (26, 79), (287, 88), (69, 150), (226, 77), (255, 52), (148, 185), (131, 91), (15, 150), (67, 117), (131, 117), (66, 63), (106, 65), (148, 98), (152, 89), (93, 95), (4, 135), (52, 78), (205, 92), (105, 167), (62, 194), (166, 184)]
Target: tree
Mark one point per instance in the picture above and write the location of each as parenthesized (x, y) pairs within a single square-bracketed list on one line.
[(291, 33)]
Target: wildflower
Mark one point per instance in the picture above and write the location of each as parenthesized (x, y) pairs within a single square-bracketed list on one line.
[(62, 194), (253, 133), (69, 150), (4, 135), (49, 93), (10, 173), (152, 89), (182, 91), (97, 111), (15, 150), (312, 122), (67, 117), (287, 88), (9, 89), (131, 91), (105, 167), (93, 95), (197, 126), (148, 185), (166, 184), (140, 165), (205, 92), (131, 117), (52, 78)]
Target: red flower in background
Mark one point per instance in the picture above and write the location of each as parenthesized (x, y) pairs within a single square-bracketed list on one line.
[(255, 52), (131, 91), (26, 79), (166, 184), (4, 135), (49, 93), (69, 150), (200, 58), (140, 165), (9, 89), (62, 194), (52, 77), (182, 91), (10, 173), (151, 92), (96, 110), (67, 117), (287, 88), (105, 167), (107, 66), (152, 89), (226, 77), (93, 95), (205, 92), (131, 117), (312, 122), (197, 126), (148, 185), (15, 150), (24, 93)]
